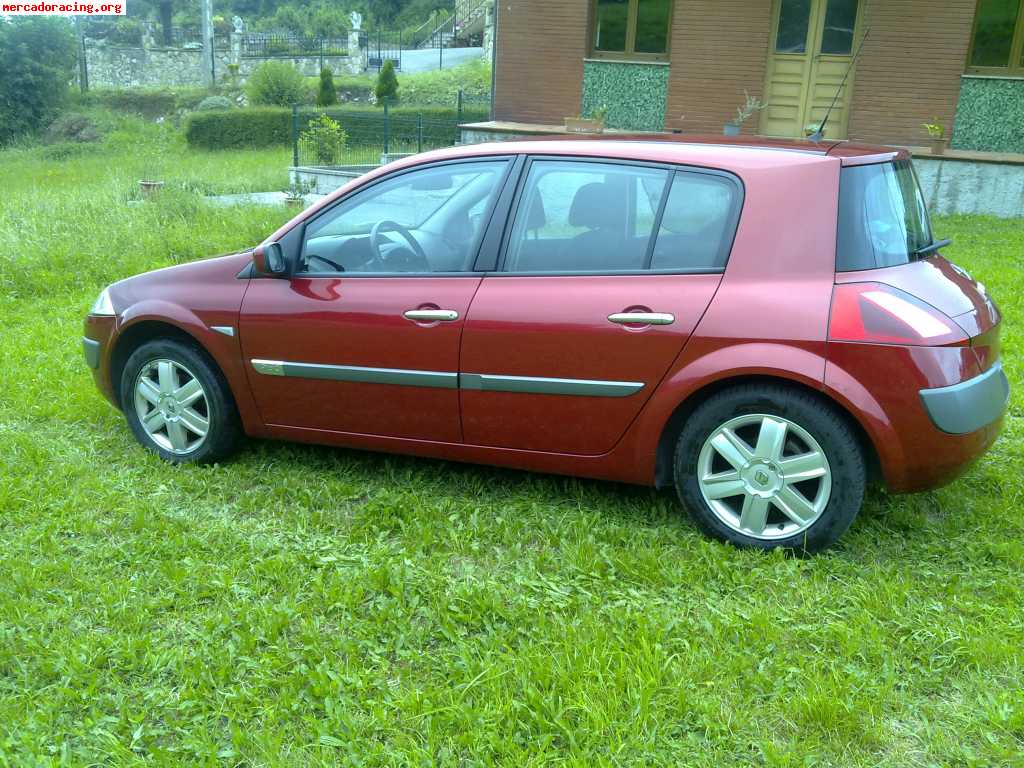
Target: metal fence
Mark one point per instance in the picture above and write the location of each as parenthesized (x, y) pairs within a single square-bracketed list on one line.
[(264, 46), (382, 45), (372, 138)]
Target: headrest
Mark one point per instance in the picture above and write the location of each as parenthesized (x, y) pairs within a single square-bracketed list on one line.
[(597, 206)]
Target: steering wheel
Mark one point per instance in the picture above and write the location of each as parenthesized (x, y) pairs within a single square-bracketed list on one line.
[(417, 259)]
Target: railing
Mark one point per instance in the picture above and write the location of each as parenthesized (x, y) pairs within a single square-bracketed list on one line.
[(264, 46), (381, 46), (375, 138), (447, 33)]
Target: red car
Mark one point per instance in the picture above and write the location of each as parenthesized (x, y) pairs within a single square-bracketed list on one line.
[(768, 326)]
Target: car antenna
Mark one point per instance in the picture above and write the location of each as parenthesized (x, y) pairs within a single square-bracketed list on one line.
[(819, 134)]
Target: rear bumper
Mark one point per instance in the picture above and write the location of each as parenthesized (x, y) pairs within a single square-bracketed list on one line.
[(970, 405)]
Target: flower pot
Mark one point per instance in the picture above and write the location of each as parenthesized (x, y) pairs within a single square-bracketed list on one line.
[(731, 129), (583, 125), (150, 188), (294, 202), (939, 146)]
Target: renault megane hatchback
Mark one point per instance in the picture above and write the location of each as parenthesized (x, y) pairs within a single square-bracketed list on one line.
[(766, 326)]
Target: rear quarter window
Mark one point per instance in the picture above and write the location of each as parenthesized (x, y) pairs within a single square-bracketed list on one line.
[(883, 218)]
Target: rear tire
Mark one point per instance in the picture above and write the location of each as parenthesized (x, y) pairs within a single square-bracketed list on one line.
[(178, 404), (767, 466)]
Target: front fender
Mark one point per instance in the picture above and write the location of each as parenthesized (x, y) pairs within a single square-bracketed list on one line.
[(224, 349)]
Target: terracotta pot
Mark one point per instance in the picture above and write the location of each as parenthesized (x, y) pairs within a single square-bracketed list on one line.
[(150, 188), (295, 202), (939, 146), (583, 125)]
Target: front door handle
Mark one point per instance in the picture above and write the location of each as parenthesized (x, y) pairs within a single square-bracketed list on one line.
[(642, 318), (432, 315)]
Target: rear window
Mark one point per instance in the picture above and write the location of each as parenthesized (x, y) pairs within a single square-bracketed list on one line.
[(883, 219)]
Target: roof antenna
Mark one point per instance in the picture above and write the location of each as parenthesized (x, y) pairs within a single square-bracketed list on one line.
[(819, 134)]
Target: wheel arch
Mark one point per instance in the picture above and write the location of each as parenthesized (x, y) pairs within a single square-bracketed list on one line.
[(143, 331), (663, 472)]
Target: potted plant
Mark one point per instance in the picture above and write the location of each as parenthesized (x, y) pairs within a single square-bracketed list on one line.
[(743, 113), (592, 124), (937, 135), (295, 194)]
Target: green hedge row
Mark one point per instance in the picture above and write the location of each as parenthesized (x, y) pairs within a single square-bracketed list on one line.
[(269, 126)]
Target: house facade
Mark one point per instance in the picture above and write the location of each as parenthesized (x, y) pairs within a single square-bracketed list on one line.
[(686, 65)]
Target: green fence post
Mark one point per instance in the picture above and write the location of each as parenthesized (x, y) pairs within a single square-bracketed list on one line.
[(419, 132), (460, 104), (387, 128), (295, 134)]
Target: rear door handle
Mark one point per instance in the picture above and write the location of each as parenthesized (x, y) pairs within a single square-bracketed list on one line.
[(432, 315), (642, 318)]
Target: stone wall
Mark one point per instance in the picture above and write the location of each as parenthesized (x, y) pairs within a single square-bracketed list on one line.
[(111, 66), (990, 115)]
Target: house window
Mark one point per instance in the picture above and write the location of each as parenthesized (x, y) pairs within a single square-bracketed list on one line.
[(997, 45), (631, 29)]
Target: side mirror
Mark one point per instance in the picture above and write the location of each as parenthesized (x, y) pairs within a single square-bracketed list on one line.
[(269, 260)]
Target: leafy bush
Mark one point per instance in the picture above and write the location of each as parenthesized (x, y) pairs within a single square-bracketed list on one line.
[(276, 83), (326, 95), (72, 127), (442, 86), (213, 103), (33, 85), (387, 83), (272, 126), (323, 141)]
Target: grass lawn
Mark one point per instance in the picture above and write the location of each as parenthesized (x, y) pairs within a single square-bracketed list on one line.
[(305, 606)]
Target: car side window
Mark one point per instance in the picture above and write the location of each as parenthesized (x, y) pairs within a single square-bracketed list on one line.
[(577, 216), (698, 224), (426, 220)]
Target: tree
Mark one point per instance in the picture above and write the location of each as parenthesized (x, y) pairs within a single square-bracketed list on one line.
[(37, 59), (387, 83), (326, 95)]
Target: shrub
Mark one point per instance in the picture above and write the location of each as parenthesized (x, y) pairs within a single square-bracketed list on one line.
[(323, 141), (33, 85), (270, 126), (326, 95), (214, 103), (275, 83), (387, 83), (72, 127)]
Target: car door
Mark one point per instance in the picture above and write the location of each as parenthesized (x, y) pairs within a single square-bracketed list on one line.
[(364, 337), (605, 271)]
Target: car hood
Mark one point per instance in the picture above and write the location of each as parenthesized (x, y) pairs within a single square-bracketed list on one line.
[(181, 281)]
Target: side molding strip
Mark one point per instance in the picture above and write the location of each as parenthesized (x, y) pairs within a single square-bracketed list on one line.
[(539, 385), (480, 382), (437, 379)]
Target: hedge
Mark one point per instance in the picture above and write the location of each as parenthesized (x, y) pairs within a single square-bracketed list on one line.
[(270, 126)]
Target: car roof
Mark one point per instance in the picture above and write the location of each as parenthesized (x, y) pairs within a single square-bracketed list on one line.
[(724, 152)]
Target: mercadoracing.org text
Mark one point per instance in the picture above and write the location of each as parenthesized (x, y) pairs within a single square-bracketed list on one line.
[(62, 9)]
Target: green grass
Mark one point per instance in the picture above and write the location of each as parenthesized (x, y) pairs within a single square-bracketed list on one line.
[(307, 606)]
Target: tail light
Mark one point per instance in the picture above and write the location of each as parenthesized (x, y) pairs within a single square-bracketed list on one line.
[(880, 314)]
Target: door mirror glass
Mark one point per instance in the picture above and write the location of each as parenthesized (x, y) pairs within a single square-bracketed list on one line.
[(269, 259)]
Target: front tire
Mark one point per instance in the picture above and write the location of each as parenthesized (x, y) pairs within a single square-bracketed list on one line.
[(178, 404), (770, 467)]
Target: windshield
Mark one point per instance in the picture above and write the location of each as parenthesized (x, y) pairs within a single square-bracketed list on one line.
[(883, 218)]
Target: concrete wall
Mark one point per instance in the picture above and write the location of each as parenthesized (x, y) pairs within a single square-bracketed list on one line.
[(963, 186)]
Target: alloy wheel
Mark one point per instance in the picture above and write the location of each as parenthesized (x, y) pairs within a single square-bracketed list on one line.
[(172, 406), (764, 476)]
